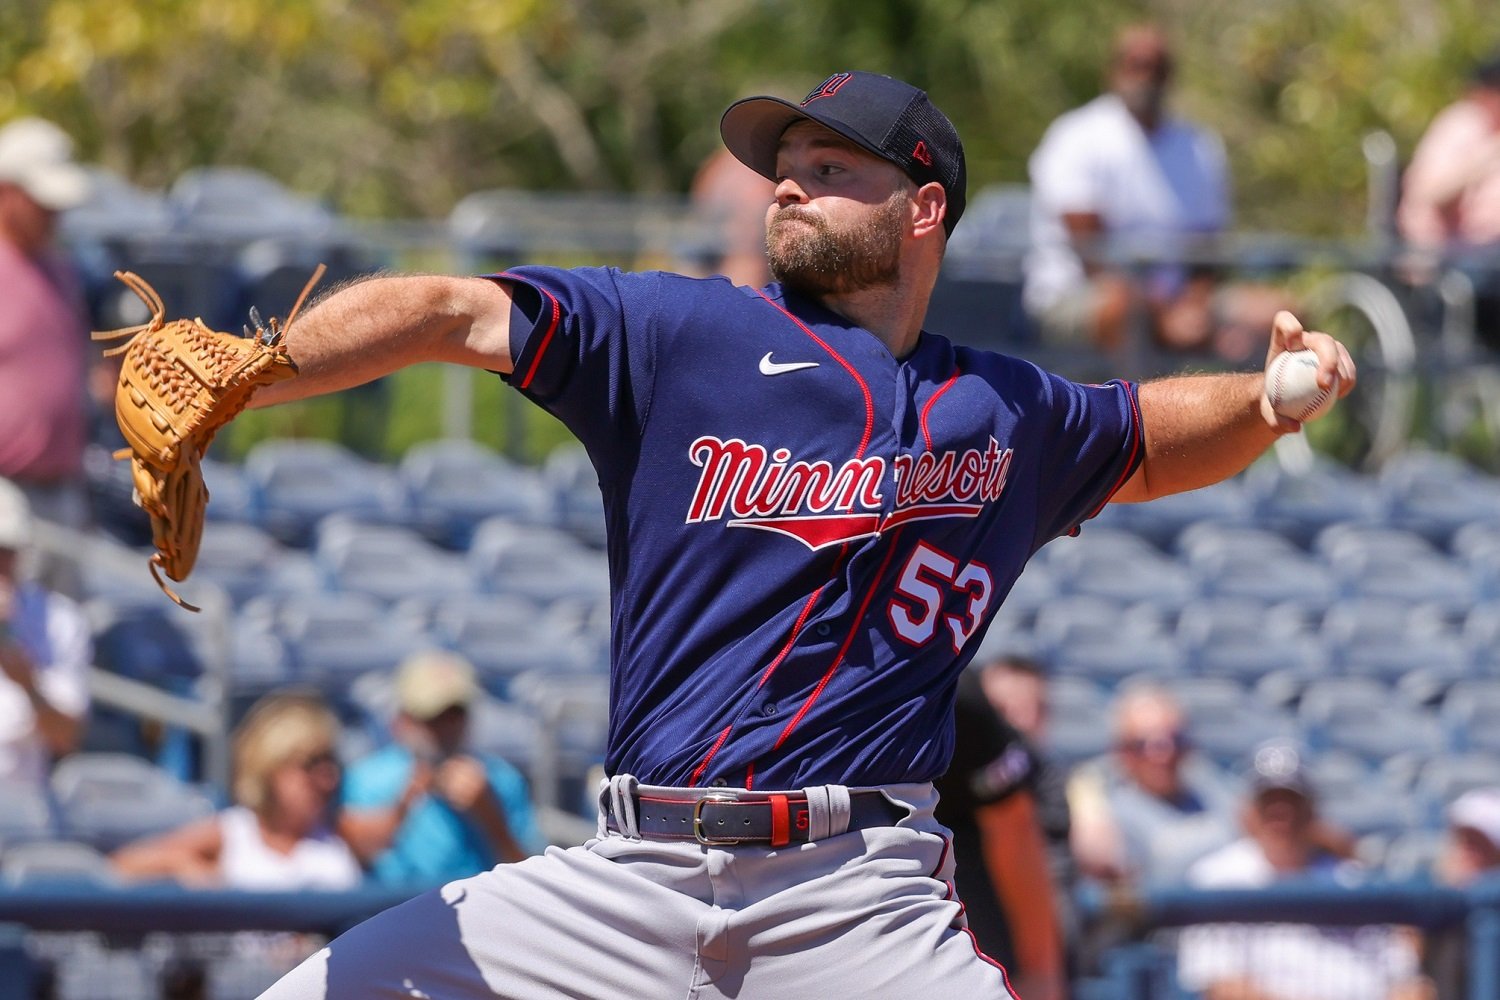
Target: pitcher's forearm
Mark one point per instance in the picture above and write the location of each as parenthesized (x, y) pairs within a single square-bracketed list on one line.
[(379, 325)]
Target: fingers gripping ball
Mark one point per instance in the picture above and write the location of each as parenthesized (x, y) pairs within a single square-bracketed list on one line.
[(179, 383), (1292, 386)]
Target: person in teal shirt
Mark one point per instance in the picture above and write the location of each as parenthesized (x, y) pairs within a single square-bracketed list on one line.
[(425, 808)]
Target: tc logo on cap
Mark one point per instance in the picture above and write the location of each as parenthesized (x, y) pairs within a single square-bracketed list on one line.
[(827, 88)]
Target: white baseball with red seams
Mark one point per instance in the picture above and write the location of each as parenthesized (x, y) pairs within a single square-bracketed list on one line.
[(1292, 386)]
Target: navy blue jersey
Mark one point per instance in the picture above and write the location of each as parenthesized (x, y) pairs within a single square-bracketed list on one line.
[(807, 536)]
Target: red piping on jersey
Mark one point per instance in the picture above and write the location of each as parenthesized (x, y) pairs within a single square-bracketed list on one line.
[(536, 359), (926, 435), (698, 773), (864, 442), (952, 894), (1140, 434), (848, 641)]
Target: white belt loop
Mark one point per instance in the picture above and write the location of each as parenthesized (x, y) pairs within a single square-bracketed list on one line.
[(827, 811), (817, 812), (838, 809), (622, 789)]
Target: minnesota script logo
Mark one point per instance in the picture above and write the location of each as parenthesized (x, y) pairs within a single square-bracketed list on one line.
[(821, 504)]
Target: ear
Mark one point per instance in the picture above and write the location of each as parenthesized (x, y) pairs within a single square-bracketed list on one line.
[(929, 209)]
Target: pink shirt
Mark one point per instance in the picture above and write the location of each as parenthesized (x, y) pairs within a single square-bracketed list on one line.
[(1460, 152), (42, 391)]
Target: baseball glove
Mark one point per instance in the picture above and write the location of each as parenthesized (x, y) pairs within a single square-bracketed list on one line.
[(179, 383)]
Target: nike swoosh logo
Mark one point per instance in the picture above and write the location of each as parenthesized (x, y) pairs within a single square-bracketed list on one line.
[(769, 367)]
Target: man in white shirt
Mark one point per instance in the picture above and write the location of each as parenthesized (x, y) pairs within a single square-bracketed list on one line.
[(1289, 961), (1117, 179), (44, 656)]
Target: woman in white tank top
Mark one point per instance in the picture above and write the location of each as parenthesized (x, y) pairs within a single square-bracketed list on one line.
[(278, 835)]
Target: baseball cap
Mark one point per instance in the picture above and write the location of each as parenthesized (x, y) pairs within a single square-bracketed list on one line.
[(894, 120), (37, 157), (1278, 767), (431, 682), (15, 517), (1478, 809)]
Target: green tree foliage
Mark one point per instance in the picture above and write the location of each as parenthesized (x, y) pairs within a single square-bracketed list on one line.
[(399, 107)]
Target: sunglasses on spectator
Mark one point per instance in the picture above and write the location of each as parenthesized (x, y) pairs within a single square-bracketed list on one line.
[(319, 761), (1166, 743)]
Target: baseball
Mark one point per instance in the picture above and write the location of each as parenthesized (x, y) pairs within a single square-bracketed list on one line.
[(1292, 386)]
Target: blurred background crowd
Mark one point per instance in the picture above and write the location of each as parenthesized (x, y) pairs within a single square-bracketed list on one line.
[(1291, 679)]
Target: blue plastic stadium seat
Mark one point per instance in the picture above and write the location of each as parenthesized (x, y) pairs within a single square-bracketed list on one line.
[(51, 862), (237, 557), (1227, 721), (1163, 520), (27, 814), (150, 644), (1389, 658), (1269, 577), (1343, 540), (1370, 809), (1301, 505), (1408, 578), (507, 635), (1108, 662), (230, 494), (1145, 578), (1445, 777), (298, 483), (1434, 495), (1206, 540), (1088, 619), (334, 639), (545, 565), (1470, 712), (578, 506), (386, 562), (1361, 716), (106, 800), (454, 485)]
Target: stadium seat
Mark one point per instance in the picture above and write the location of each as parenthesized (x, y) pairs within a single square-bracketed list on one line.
[(1361, 716), (1205, 540), (1340, 773), (1390, 658), (27, 815), (1301, 505), (297, 483), (386, 562), (1226, 721), (1108, 662), (1163, 520), (1369, 809), (240, 204), (237, 557), (1144, 578), (1444, 778), (454, 485), (578, 506), (510, 731), (1069, 741), (1434, 495), (1068, 621), (1345, 540), (229, 493), (106, 800), (1470, 713), (506, 635), (150, 644), (1407, 578), (54, 861), (1267, 577), (334, 639), (545, 565), (1411, 855)]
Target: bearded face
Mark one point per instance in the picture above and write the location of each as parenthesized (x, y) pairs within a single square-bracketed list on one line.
[(813, 255)]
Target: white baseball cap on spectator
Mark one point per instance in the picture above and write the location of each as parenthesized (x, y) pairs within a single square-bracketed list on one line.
[(37, 157), (15, 517), (432, 681), (1478, 810)]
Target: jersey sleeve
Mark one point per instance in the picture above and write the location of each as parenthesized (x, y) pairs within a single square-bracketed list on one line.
[(1093, 444), (582, 342)]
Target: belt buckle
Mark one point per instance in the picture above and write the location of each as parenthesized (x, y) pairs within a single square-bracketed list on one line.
[(707, 840)]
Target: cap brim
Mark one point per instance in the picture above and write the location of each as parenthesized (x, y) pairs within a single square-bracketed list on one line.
[(752, 128)]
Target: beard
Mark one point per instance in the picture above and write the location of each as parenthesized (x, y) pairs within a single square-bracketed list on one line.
[(810, 256)]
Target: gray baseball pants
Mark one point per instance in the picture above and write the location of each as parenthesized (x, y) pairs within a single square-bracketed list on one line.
[(867, 913)]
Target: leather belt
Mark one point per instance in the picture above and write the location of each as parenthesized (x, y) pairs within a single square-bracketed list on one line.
[(722, 820)]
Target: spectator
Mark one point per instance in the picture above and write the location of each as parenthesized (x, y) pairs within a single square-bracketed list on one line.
[(1118, 174), (1289, 961), (1470, 852), (1450, 195), (425, 808), (1151, 808), (279, 834), (987, 798), (736, 199), (44, 657), (43, 330)]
